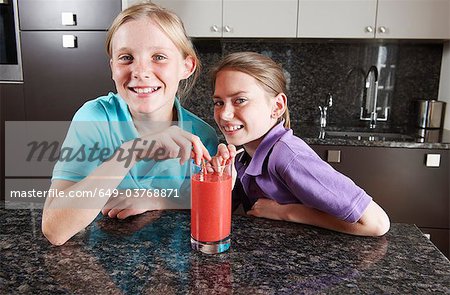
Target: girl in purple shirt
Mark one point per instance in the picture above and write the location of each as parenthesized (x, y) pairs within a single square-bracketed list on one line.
[(279, 176)]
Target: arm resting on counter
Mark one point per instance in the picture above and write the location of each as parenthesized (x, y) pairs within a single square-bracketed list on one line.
[(65, 216), (373, 222)]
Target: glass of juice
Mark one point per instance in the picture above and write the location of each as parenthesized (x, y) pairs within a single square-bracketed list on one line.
[(211, 207)]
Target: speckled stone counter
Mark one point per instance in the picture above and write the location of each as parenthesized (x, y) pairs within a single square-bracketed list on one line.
[(409, 137), (150, 254)]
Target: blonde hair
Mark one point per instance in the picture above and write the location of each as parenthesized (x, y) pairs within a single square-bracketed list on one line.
[(268, 73), (171, 25)]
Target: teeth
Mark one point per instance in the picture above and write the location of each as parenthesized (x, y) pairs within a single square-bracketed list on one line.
[(232, 128), (145, 90)]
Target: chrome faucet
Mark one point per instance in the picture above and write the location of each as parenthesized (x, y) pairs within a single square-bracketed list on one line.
[(323, 111), (371, 92)]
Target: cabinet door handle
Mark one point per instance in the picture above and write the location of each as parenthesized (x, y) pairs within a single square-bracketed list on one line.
[(68, 19), (69, 41), (227, 29), (369, 29), (334, 156), (214, 28), (433, 160), (382, 29)]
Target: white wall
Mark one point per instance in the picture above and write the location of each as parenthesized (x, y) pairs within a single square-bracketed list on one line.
[(444, 84)]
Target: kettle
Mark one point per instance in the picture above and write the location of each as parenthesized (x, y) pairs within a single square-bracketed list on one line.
[(430, 113)]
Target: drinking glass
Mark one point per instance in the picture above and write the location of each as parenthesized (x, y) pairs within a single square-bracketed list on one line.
[(211, 207)]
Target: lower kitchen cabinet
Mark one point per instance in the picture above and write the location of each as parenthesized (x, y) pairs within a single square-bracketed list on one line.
[(12, 108), (12, 102), (400, 181)]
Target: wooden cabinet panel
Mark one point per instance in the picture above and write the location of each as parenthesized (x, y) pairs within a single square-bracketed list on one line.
[(399, 181), (413, 19), (384, 19), (11, 109), (331, 18), (236, 18), (86, 14), (260, 18), (200, 18), (13, 102), (59, 80)]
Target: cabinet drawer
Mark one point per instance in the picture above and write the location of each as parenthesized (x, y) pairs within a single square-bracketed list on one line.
[(399, 181), (59, 80), (76, 14)]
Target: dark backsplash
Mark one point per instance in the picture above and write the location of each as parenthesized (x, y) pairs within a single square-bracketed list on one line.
[(315, 68)]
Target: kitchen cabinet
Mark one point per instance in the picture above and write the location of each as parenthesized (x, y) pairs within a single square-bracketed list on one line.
[(11, 109), (68, 14), (400, 182), (384, 19), (63, 54), (236, 18)]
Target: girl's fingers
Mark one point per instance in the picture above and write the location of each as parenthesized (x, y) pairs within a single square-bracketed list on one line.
[(129, 212), (113, 212), (232, 150), (184, 148), (199, 149), (222, 151)]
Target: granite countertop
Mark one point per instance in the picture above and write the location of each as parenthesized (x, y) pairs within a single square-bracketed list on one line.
[(399, 137), (151, 254)]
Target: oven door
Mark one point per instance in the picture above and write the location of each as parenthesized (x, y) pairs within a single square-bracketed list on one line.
[(10, 57)]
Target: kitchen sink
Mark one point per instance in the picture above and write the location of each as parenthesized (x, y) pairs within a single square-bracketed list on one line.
[(367, 135)]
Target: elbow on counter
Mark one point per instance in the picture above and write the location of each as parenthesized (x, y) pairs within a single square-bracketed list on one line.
[(52, 235), (382, 226)]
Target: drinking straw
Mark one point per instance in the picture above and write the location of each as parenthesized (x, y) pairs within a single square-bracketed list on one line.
[(203, 170), (224, 161)]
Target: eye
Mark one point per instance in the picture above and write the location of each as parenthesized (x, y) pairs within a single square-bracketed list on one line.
[(218, 103), (240, 100), (125, 58), (159, 57)]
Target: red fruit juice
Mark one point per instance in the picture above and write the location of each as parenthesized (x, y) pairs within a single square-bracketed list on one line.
[(211, 207)]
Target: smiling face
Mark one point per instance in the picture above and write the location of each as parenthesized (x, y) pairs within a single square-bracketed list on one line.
[(147, 68), (243, 110)]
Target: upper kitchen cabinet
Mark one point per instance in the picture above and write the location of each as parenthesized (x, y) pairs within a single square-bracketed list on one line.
[(337, 18), (236, 18), (201, 18), (413, 19), (384, 19)]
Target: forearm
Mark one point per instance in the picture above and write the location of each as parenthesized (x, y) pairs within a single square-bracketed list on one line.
[(374, 221), (64, 216)]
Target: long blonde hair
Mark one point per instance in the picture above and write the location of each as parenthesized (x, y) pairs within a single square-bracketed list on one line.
[(268, 73), (171, 25)]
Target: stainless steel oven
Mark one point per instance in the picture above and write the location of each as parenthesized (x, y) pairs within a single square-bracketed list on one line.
[(10, 57)]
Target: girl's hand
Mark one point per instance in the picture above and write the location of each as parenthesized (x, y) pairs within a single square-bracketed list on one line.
[(268, 208), (225, 155)]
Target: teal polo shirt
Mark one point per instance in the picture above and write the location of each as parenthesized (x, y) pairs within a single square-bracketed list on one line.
[(102, 125)]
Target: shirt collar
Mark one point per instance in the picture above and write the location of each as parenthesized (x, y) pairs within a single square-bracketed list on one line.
[(180, 113), (263, 149)]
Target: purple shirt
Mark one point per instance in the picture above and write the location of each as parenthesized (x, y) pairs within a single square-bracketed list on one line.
[(285, 169)]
